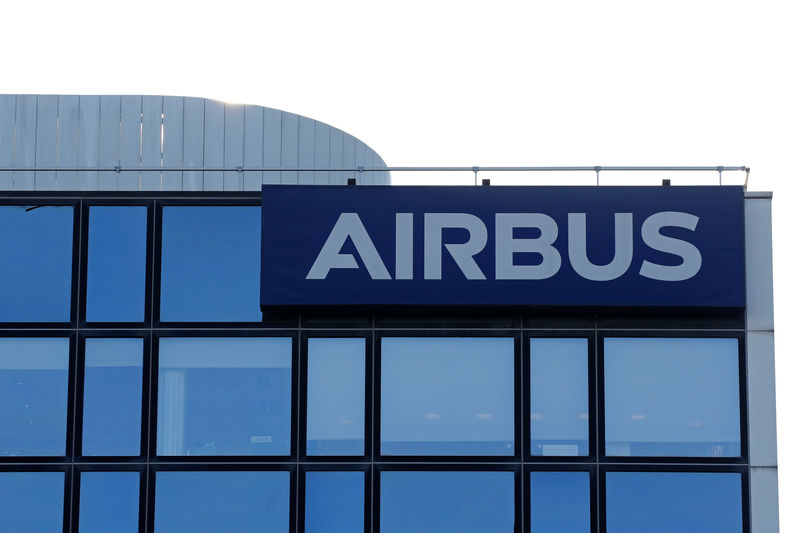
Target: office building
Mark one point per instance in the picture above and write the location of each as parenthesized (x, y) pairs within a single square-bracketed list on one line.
[(204, 328)]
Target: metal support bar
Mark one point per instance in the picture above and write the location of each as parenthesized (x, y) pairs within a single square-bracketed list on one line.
[(379, 169)]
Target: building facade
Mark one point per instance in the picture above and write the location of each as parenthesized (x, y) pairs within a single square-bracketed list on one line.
[(156, 377)]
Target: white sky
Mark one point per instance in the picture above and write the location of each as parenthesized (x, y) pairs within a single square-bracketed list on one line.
[(474, 83)]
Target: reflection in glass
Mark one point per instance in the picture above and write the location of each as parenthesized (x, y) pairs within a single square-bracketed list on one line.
[(33, 396), (666, 502), (559, 397), (36, 270), (31, 502), (560, 502), (210, 264), (224, 396), (447, 396), (672, 397), (437, 502), (335, 396), (334, 502), (109, 502), (112, 397), (115, 275), (212, 502)]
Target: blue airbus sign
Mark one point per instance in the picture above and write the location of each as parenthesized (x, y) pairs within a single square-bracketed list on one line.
[(533, 246)]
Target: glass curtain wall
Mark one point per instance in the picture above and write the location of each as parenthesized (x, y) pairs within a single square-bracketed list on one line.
[(141, 389)]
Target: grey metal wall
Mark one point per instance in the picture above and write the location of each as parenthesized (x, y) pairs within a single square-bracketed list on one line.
[(761, 414), (134, 132)]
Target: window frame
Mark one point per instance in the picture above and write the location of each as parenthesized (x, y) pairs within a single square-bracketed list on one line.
[(34, 202), (149, 264), (672, 469), (743, 458), (513, 334), (158, 258), (69, 449), (302, 394), (146, 336), (591, 359), (231, 459)]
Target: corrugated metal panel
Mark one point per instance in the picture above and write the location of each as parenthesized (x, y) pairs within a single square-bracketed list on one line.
[(336, 156), (109, 141), (234, 146), (214, 145), (151, 142), (193, 127), (289, 146), (322, 153), (253, 146), (8, 105), (306, 150), (46, 136), (25, 141), (88, 142), (348, 156), (132, 132), (273, 144), (130, 142), (172, 149), (67, 143)]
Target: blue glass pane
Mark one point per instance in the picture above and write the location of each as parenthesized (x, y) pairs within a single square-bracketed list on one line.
[(335, 396), (212, 502), (560, 502), (116, 266), (112, 397), (447, 396), (559, 397), (32, 502), (672, 397), (334, 502), (36, 272), (447, 502), (109, 502), (210, 264), (33, 396), (666, 502), (224, 396)]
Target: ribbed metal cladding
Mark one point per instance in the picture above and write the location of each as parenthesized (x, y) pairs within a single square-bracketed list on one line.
[(135, 134)]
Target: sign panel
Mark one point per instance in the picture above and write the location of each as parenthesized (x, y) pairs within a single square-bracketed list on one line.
[(531, 246)]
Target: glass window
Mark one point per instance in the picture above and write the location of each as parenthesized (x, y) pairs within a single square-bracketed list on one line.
[(335, 396), (666, 502), (436, 502), (672, 397), (112, 397), (559, 397), (33, 396), (32, 502), (560, 502), (447, 396), (36, 270), (115, 281), (334, 502), (109, 502), (224, 396), (210, 264), (210, 502)]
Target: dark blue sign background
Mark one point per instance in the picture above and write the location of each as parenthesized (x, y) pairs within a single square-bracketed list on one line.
[(298, 219)]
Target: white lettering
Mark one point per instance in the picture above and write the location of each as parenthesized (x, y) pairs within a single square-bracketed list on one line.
[(506, 246), (348, 225), (404, 246), (623, 248), (462, 253), (651, 234)]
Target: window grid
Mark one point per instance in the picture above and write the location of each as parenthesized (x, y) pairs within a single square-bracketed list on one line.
[(521, 325)]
